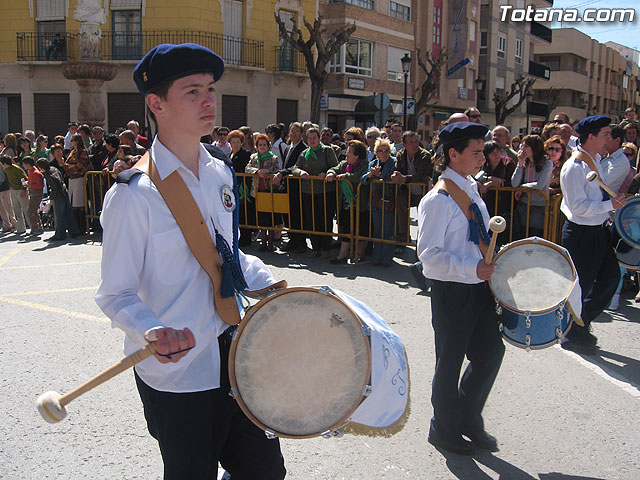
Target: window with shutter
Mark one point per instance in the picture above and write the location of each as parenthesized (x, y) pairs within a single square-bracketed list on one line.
[(234, 111), (51, 112)]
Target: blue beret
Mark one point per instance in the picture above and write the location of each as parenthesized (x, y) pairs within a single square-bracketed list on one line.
[(592, 124), (462, 131), (166, 62)]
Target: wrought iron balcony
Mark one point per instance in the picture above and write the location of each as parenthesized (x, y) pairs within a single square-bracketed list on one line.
[(288, 59), (123, 46), (33, 46)]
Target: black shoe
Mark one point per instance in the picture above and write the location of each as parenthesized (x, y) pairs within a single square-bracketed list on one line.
[(55, 239), (483, 440), (399, 250), (291, 247), (339, 261), (455, 445)]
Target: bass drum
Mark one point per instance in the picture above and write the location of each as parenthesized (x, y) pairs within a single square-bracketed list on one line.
[(307, 361), (531, 283), (626, 238)]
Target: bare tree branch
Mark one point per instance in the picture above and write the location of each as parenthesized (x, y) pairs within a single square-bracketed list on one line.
[(432, 68), (520, 88)]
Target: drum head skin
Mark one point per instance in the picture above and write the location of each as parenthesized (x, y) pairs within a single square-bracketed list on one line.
[(532, 275), (300, 363)]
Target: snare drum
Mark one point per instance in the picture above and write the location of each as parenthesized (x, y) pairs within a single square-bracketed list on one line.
[(307, 361), (531, 283), (627, 236)]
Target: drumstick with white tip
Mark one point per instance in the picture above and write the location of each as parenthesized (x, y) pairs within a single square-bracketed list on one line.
[(52, 405), (497, 225), (593, 176)]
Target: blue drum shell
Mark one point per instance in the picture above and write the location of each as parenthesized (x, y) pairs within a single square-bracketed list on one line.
[(543, 329)]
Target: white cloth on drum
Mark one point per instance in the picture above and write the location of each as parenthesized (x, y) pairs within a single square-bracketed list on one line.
[(76, 192), (389, 370)]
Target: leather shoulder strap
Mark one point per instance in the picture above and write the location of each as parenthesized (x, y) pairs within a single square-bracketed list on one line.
[(463, 201), (583, 157), (188, 217), (458, 195)]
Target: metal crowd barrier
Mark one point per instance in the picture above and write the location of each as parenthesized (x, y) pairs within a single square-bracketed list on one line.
[(96, 184), (286, 205)]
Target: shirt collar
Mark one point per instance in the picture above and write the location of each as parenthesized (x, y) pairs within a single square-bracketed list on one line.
[(461, 181), (166, 162)]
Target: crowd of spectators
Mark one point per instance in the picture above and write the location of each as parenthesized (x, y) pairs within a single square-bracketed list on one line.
[(281, 160)]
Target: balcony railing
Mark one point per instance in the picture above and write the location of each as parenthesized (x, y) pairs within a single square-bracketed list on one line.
[(539, 70), (33, 46), (132, 46), (288, 59), (540, 31)]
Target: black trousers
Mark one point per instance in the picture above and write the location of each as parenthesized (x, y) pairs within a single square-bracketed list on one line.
[(196, 430), (592, 253), (465, 324)]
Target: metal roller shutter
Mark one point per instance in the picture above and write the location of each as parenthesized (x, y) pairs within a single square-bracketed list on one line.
[(287, 111), (234, 111), (52, 113), (124, 107)]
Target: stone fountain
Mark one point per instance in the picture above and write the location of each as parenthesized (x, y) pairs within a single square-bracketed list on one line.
[(90, 73)]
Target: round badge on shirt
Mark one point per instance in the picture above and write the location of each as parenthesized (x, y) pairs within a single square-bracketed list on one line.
[(228, 199)]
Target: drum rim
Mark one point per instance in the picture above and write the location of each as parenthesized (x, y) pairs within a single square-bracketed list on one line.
[(232, 356), (618, 218), (535, 240)]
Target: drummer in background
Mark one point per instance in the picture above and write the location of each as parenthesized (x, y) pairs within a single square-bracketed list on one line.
[(462, 307), (155, 287), (585, 234)]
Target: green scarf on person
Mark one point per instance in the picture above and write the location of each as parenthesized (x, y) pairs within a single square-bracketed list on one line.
[(312, 152), (347, 191), (265, 156)]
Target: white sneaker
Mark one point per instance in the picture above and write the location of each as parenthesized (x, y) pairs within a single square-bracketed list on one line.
[(615, 302)]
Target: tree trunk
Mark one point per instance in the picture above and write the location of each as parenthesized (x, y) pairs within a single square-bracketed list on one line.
[(317, 87)]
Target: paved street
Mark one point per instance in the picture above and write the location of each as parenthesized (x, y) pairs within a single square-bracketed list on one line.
[(557, 415)]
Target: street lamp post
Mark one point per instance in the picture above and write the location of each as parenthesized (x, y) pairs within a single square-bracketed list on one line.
[(406, 65), (529, 94)]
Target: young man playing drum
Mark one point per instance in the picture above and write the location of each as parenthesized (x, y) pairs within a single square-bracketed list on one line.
[(462, 307), (585, 233), (153, 287)]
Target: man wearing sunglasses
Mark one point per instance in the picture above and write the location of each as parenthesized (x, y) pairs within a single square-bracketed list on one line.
[(474, 115), (221, 142)]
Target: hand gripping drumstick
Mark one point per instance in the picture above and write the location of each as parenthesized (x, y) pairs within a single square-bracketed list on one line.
[(496, 225), (52, 405), (591, 176)]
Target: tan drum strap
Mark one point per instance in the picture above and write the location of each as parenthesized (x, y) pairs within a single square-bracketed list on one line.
[(583, 157), (463, 201), (187, 214)]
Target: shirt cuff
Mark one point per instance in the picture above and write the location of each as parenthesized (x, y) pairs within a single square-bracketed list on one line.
[(470, 266)]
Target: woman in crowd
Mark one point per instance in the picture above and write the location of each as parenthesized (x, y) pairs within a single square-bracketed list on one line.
[(550, 130), (350, 171), (316, 161), (373, 133), (557, 153), (499, 170), (382, 201), (631, 152), (24, 147), (10, 146), (249, 144), (123, 151), (76, 165), (42, 148), (58, 161), (515, 143), (264, 163), (533, 170), (240, 159)]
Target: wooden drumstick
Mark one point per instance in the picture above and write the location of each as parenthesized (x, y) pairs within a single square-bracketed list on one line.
[(497, 225), (52, 405), (591, 176)]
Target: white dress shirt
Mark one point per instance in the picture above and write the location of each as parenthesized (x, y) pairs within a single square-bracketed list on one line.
[(444, 247), (67, 140), (150, 278), (615, 169), (582, 200), (275, 149)]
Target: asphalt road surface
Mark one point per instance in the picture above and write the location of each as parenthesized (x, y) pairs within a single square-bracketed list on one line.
[(556, 414)]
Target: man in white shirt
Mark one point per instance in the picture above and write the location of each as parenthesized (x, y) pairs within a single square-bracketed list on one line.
[(222, 142), (72, 129), (396, 137), (278, 147), (585, 234), (155, 288), (462, 307), (615, 166)]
